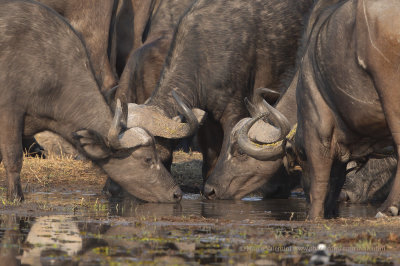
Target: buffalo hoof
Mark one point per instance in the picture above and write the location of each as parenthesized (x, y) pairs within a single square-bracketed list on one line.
[(391, 211), (389, 208), (15, 195)]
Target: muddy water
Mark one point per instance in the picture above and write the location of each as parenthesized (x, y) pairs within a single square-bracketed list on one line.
[(253, 208), (197, 231)]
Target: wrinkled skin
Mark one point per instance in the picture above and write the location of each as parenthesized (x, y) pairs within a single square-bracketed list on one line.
[(94, 20), (53, 80), (216, 59), (350, 75)]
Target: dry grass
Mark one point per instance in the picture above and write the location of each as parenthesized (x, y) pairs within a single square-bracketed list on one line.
[(55, 171), (65, 171)]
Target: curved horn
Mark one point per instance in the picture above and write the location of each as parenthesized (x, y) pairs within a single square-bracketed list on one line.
[(257, 107), (268, 93), (261, 152), (277, 118), (188, 114), (265, 151), (253, 110), (115, 126)]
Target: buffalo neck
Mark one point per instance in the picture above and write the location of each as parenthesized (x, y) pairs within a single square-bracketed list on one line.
[(287, 104), (88, 111), (185, 87)]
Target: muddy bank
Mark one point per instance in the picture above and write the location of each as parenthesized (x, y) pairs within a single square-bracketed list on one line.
[(102, 239)]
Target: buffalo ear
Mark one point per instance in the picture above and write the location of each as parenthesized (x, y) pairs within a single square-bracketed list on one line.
[(92, 144), (290, 160)]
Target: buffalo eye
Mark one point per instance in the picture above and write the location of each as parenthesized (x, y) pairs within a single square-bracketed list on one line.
[(240, 155), (148, 160)]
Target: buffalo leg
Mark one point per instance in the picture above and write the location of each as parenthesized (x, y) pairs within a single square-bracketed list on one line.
[(393, 120), (11, 150), (318, 170), (336, 182), (391, 108), (379, 50)]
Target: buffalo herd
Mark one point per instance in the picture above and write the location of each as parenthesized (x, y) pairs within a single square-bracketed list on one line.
[(280, 93)]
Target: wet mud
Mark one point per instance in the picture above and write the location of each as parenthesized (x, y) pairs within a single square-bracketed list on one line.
[(66, 220)]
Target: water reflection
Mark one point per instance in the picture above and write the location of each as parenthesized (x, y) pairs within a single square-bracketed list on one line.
[(52, 239), (10, 236), (226, 209), (102, 239), (253, 208)]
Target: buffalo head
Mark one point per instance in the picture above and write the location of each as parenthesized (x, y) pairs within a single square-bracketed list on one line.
[(129, 157), (254, 153)]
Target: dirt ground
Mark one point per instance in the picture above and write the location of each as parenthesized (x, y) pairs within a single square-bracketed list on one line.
[(129, 232)]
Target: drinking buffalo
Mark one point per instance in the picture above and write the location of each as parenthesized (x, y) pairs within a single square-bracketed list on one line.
[(220, 51), (346, 97), (47, 83)]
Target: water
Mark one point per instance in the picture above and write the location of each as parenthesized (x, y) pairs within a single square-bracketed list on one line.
[(252, 208), (194, 205), (196, 231)]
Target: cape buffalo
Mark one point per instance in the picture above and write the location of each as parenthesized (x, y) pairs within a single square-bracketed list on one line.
[(369, 182), (346, 97), (47, 83), (220, 51), (94, 21), (237, 173)]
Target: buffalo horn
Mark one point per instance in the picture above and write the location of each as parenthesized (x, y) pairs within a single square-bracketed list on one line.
[(265, 93), (251, 108), (265, 151)]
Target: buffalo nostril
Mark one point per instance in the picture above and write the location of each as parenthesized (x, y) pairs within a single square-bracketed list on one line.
[(178, 196), (343, 197), (209, 192)]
